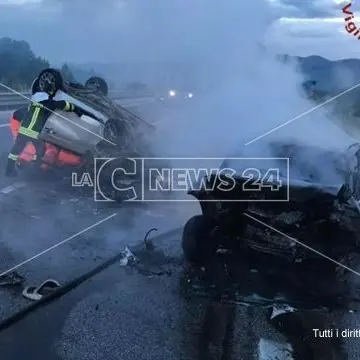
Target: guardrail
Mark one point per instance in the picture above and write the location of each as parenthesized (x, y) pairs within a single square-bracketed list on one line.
[(10, 101)]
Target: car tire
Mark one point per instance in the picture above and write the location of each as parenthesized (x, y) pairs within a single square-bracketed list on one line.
[(114, 134), (117, 186), (97, 83), (35, 86), (196, 244), (52, 75)]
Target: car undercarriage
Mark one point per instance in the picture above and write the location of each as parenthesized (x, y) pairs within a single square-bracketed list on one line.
[(108, 131)]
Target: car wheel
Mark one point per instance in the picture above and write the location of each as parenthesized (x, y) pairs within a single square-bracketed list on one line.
[(35, 86), (114, 180), (114, 133), (196, 244), (52, 77), (97, 83)]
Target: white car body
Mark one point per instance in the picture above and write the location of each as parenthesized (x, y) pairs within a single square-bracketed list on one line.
[(67, 130)]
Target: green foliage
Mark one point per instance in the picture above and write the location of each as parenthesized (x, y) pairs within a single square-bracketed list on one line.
[(18, 64)]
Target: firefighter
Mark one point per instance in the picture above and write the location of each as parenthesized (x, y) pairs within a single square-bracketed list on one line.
[(32, 123)]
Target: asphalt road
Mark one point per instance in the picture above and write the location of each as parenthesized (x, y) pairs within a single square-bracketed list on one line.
[(148, 311), (38, 213)]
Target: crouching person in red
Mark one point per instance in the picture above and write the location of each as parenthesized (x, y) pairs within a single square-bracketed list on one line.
[(53, 155)]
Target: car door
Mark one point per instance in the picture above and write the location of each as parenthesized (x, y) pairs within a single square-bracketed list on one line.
[(68, 131)]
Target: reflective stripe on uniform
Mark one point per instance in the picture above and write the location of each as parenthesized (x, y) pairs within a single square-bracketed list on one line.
[(34, 118), (34, 103), (67, 106), (28, 132), (13, 157)]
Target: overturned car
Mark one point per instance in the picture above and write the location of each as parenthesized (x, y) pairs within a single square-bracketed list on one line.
[(302, 233), (112, 131), (106, 138)]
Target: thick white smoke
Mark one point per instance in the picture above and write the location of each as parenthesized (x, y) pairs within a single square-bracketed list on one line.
[(245, 93)]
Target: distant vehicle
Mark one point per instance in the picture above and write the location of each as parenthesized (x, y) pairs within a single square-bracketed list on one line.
[(177, 95)]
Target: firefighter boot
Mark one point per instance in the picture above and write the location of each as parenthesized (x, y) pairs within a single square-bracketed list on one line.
[(11, 168)]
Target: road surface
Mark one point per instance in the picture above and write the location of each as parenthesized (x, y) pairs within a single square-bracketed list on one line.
[(37, 214), (126, 313)]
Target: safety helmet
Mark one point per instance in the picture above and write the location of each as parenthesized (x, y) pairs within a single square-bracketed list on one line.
[(40, 96)]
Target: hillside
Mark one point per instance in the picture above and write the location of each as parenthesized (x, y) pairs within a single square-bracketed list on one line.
[(331, 76)]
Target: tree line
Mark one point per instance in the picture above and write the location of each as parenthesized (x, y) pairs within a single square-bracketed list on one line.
[(19, 65)]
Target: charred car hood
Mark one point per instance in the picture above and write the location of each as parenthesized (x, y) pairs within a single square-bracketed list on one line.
[(304, 172)]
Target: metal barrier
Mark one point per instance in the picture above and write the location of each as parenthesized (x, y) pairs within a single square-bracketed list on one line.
[(10, 101)]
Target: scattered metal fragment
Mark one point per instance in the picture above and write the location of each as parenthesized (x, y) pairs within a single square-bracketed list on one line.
[(127, 257), (148, 244), (37, 293), (11, 279)]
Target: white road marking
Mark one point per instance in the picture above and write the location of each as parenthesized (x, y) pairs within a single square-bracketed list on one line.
[(4, 125), (57, 245), (153, 214), (8, 189)]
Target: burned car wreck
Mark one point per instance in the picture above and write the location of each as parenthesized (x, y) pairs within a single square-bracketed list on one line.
[(305, 240)]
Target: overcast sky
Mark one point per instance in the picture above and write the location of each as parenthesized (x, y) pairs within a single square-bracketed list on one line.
[(142, 30), (315, 27)]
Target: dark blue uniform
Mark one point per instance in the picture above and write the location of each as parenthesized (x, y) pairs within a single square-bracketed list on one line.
[(32, 123)]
